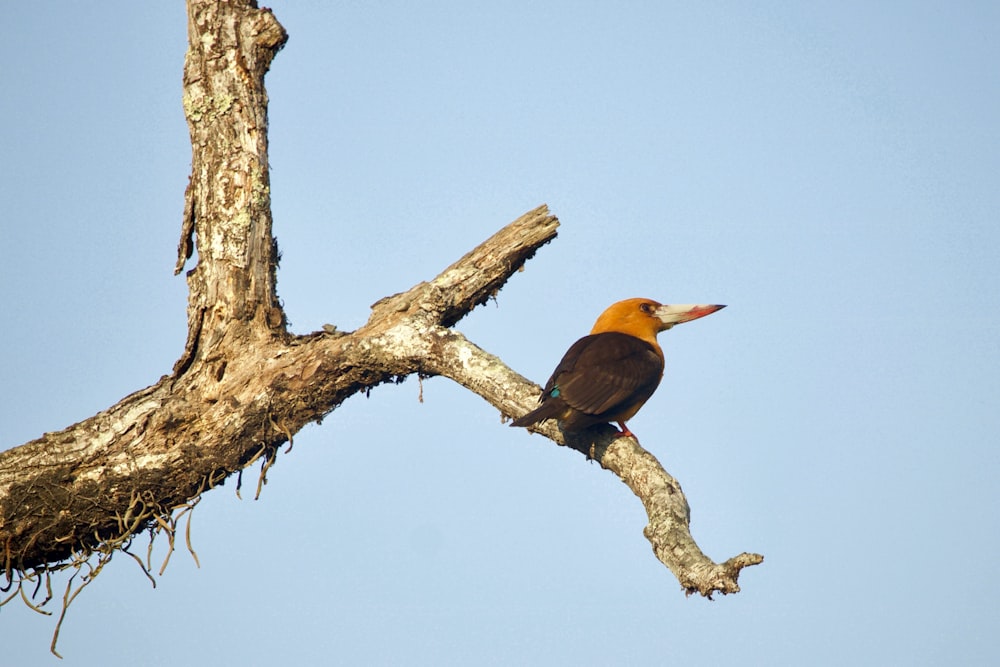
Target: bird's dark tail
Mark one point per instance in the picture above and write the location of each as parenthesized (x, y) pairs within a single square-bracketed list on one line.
[(550, 409)]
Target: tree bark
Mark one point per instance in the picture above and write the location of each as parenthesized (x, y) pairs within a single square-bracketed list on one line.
[(244, 385)]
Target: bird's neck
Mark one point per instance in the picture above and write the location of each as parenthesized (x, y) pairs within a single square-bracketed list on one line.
[(643, 333)]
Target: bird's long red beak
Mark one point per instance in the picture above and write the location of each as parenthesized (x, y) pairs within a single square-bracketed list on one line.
[(671, 315)]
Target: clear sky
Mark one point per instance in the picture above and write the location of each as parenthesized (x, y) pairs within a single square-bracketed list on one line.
[(829, 170)]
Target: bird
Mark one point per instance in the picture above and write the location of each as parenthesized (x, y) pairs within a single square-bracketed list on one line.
[(609, 374)]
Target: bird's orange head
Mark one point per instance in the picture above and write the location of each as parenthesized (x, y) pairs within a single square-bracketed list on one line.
[(644, 318)]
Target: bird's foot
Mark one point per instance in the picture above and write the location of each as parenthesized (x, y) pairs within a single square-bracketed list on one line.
[(625, 433)]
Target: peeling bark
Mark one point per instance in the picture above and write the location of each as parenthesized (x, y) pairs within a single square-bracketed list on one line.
[(244, 385)]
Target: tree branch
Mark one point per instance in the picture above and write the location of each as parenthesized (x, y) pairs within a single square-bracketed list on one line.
[(668, 531), (244, 386)]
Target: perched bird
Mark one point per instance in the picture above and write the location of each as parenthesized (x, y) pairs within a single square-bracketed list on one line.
[(608, 375)]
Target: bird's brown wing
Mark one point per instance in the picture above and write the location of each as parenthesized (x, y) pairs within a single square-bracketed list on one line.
[(605, 374)]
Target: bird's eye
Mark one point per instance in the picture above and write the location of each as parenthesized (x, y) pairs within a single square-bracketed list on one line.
[(646, 307)]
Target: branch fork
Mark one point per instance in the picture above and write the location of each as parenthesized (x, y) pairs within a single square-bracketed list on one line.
[(244, 385)]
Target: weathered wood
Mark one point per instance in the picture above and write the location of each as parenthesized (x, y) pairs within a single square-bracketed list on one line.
[(243, 385)]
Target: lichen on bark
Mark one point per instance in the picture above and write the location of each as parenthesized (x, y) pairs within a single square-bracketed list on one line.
[(244, 385)]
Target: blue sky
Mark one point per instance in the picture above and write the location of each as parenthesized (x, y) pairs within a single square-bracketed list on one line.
[(828, 170)]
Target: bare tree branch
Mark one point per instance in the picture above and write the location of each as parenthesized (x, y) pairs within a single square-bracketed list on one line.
[(243, 385)]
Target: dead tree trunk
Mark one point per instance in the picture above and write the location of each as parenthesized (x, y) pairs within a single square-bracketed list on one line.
[(244, 385)]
